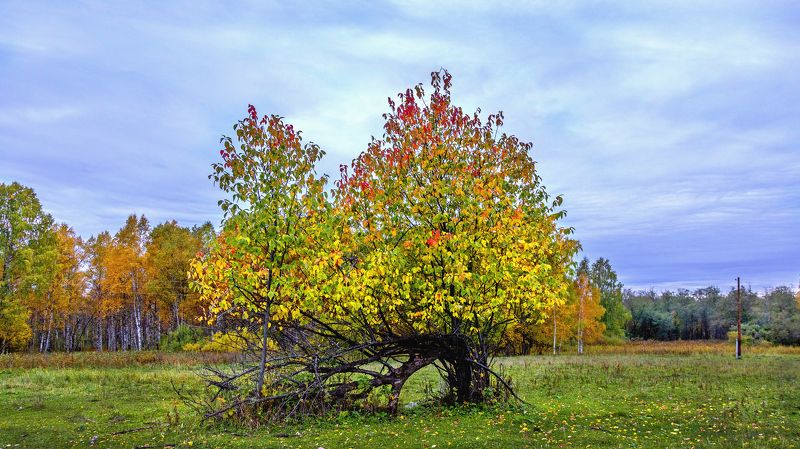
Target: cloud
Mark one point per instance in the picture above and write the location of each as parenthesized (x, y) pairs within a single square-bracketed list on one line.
[(37, 115), (669, 126)]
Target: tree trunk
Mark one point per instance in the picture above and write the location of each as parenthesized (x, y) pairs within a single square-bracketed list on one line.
[(402, 374), (583, 290), (554, 330), (176, 311), (112, 342), (99, 344), (67, 335), (137, 318), (49, 330), (262, 366), (463, 384), (125, 330)]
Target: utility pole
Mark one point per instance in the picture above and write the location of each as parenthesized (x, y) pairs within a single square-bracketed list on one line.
[(738, 319), (583, 287)]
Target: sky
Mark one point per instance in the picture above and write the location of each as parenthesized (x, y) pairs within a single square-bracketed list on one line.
[(671, 128)]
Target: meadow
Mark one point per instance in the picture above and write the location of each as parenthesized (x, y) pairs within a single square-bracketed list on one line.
[(664, 395)]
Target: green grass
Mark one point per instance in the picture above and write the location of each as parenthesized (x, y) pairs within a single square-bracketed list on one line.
[(608, 400)]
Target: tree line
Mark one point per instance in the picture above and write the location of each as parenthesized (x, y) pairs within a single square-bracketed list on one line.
[(701, 314), (708, 313), (121, 291)]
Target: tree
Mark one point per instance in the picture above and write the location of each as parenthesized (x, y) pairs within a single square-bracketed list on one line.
[(28, 253), (125, 279), (102, 305), (797, 299), (578, 319), (56, 312), (441, 235), (783, 316), (590, 327), (604, 278), (254, 272), (170, 250), (649, 323), (454, 234)]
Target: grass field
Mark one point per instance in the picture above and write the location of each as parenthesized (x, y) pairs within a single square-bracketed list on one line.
[(668, 396)]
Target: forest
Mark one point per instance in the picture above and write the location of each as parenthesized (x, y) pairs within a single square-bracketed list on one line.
[(115, 292)]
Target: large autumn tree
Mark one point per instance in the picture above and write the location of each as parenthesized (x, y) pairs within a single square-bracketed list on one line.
[(440, 235), (454, 234), (28, 256)]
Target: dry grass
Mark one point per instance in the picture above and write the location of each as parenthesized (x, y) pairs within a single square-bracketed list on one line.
[(688, 348), (113, 359), (156, 358)]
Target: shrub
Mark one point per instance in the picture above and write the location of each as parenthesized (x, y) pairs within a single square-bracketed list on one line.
[(613, 340), (179, 338), (235, 341), (751, 333)]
